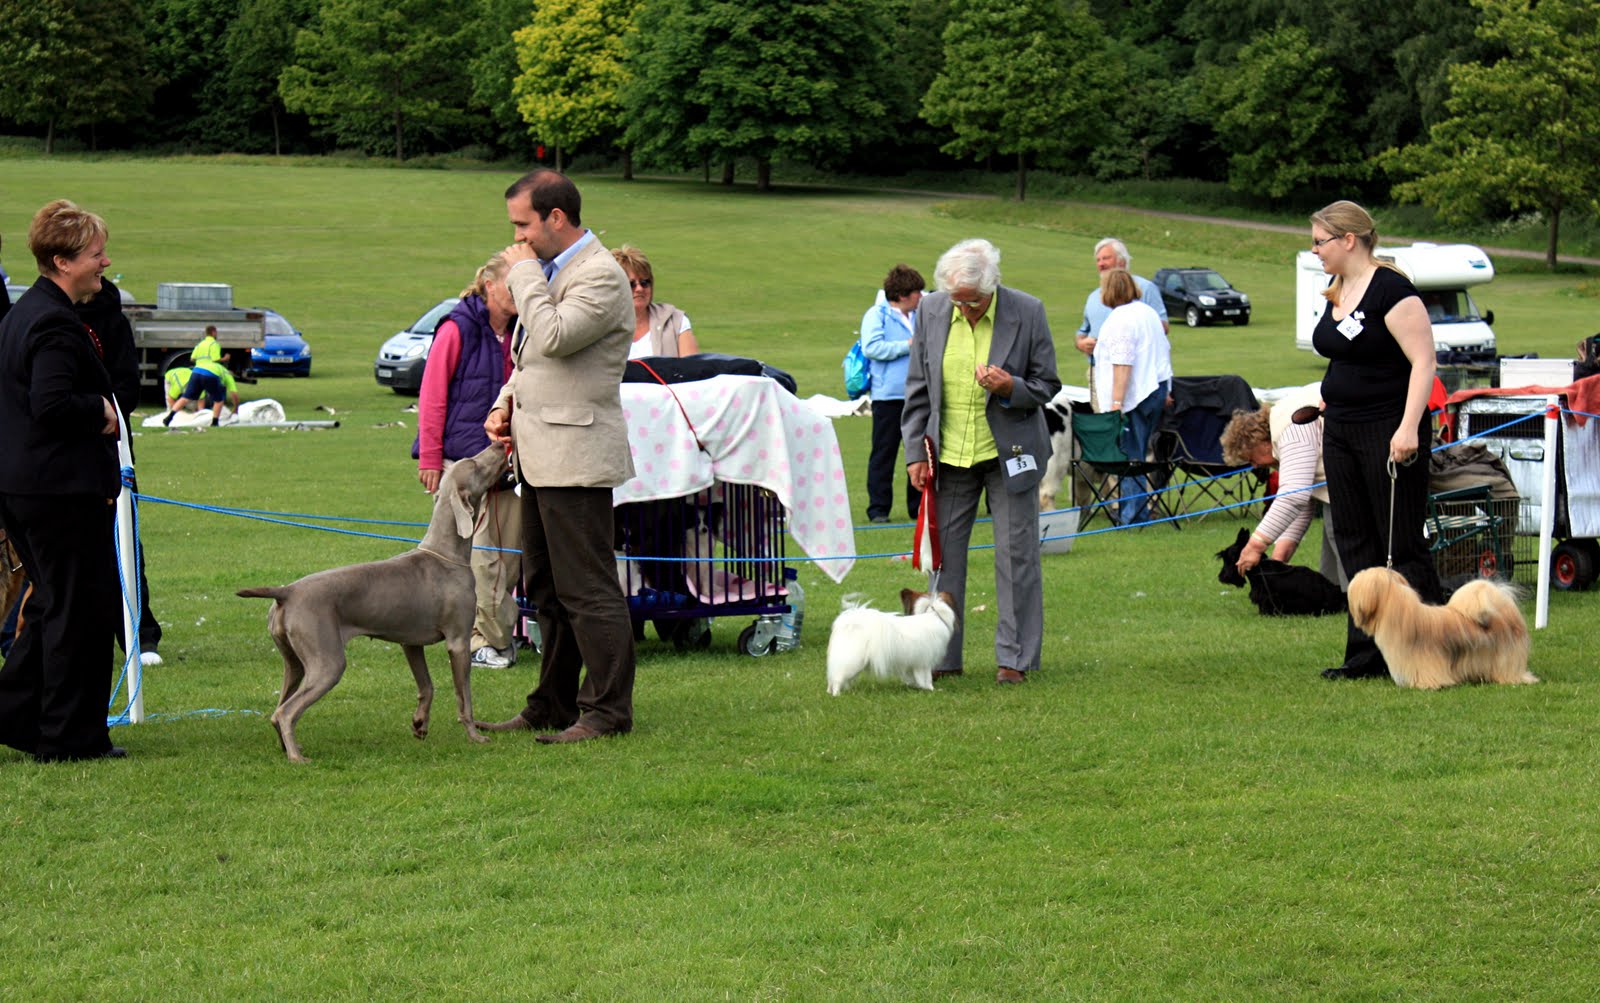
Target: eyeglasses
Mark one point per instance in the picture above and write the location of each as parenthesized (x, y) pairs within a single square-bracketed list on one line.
[(971, 304), (1317, 244), (641, 283)]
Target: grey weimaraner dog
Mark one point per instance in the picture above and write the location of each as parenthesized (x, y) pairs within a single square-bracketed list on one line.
[(418, 598)]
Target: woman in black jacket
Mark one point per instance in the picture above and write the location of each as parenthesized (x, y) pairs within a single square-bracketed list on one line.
[(58, 481)]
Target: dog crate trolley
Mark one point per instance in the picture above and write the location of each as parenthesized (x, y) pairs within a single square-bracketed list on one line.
[(726, 471), (1575, 560)]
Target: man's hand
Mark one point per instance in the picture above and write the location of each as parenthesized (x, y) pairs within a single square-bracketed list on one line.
[(109, 412), (498, 426), (430, 480), (518, 253)]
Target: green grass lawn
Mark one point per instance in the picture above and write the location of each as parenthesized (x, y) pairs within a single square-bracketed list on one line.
[(1176, 807)]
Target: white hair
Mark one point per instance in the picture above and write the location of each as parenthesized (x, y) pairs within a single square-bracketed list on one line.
[(972, 263), (1115, 245)]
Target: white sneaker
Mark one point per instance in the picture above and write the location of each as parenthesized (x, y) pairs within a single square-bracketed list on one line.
[(489, 657)]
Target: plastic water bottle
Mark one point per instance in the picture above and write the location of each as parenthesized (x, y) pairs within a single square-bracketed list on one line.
[(796, 617)]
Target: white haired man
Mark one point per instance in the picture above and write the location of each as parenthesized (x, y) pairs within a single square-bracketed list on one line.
[(1111, 253), (982, 365)]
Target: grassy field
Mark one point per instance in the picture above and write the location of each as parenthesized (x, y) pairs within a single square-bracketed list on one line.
[(1176, 807)]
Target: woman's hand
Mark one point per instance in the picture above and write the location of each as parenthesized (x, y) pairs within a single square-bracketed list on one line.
[(1403, 444), (109, 411), (995, 380), (1254, 548), (430, 480), (918, 473)]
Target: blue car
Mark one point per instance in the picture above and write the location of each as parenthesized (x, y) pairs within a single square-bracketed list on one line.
[(283, 352)]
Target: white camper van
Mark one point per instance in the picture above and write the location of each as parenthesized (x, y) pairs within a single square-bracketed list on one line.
[(1442, 273)]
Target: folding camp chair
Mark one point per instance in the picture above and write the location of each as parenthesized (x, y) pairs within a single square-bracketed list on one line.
[(1190, 440), (1099, 466)]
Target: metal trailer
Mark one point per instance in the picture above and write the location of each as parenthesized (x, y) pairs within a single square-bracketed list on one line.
[(164, 333), (1575, 559), (683, 562)]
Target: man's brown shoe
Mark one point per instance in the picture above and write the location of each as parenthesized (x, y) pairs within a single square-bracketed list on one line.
[(579, 732), (1005, 675), (945, 673)]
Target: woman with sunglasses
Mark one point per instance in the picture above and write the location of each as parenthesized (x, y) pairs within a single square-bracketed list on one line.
[(658, 328)]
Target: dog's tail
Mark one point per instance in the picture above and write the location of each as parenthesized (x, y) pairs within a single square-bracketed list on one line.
[(855, 600), (1492, 606), (271, 592)]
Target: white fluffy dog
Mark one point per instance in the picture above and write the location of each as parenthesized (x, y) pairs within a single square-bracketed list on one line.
[(1478, 637), (906, 647)]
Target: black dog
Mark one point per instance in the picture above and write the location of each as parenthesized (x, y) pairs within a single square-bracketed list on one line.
[(1280, 589)]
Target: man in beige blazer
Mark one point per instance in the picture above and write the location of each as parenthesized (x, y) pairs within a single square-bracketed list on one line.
[(562, 413)]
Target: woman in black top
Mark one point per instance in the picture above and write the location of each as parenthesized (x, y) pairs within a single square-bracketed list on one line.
[(1376, 336), (58, 479)]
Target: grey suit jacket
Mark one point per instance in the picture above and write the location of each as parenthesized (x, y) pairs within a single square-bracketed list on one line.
[(1022, 346), (565, 396)]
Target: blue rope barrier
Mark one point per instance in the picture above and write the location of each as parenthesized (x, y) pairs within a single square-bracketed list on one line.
[(288, 519)]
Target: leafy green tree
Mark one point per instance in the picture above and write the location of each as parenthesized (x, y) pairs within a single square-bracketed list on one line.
[(493, 69), (1022, 78), (1388, 65), (1523, 131), (71, 64), (722, 79), (1151, 109), (375, 73), (258, 46), (189, 104), (573, 73), (1280, 111)]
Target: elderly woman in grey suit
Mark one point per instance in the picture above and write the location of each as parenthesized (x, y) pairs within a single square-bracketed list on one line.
[(982, 365)]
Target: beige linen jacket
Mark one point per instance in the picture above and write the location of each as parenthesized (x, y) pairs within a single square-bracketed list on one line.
[(570, 347)]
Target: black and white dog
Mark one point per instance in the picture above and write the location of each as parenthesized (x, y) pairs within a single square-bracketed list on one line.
[(1280, 589)]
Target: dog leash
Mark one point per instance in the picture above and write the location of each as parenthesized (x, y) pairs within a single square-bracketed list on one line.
[(928, 523), (1394, 475)]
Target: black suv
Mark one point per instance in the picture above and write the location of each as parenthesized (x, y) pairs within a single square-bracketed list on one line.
[(1201, 296)]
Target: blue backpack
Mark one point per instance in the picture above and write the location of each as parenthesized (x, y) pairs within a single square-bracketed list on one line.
[(856, 376)]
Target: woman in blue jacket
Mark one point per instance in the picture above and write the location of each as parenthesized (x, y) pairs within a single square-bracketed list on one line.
[(886, 342)]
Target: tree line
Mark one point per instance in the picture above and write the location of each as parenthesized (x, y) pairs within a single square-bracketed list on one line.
[(1478, 109)]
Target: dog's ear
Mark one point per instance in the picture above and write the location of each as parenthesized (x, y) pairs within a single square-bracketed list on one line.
[(908, 600), (466, 516), (1368, 591)]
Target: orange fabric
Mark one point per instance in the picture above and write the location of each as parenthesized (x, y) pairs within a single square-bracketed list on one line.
[(1583, 395)]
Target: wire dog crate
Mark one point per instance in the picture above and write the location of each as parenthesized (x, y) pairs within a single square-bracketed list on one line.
[(682, 562)]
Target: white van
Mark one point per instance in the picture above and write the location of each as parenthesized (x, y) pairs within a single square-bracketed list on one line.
[(1442, 273)]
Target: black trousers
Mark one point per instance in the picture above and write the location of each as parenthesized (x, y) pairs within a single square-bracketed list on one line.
[(570, 574), (1355, 457), (56, 682), (882, 464)]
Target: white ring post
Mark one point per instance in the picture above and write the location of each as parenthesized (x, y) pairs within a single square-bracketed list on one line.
[(1547, 511), (128, 556)]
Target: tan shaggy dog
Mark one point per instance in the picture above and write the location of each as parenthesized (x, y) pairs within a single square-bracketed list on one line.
[(1478, 637)]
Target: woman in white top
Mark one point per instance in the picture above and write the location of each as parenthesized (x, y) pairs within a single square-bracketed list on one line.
[(658, 328), (1133, 374)]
